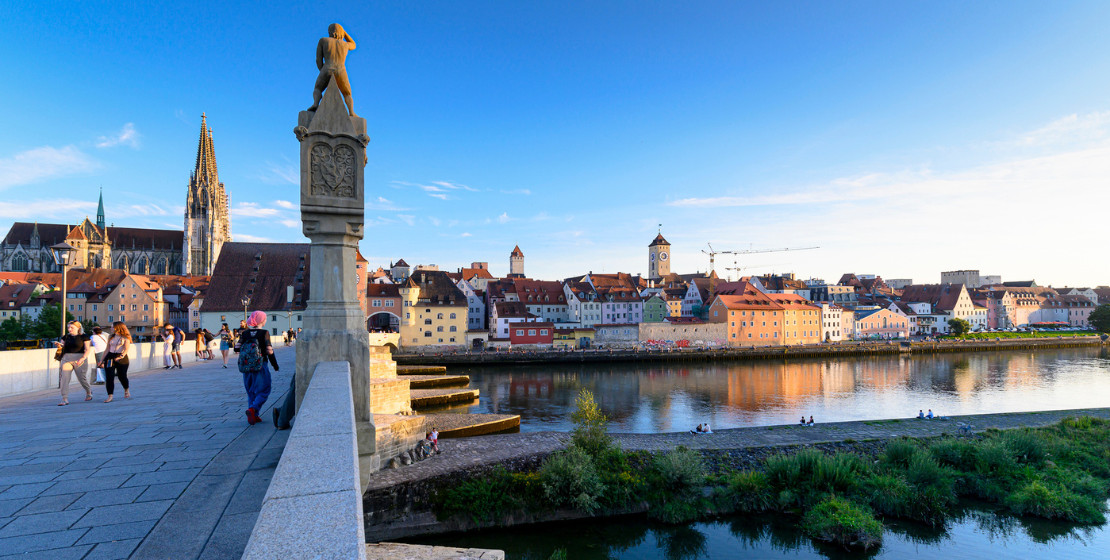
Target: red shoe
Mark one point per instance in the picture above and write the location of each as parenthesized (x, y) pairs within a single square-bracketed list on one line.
[(252, 417)]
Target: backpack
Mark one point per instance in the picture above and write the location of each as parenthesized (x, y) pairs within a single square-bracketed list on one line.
[(250, 355)]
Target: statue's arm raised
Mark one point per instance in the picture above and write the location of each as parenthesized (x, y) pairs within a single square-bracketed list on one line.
[(350, 42)]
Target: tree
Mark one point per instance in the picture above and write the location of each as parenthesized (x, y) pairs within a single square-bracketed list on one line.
[(959, 327), (1100, 318), (49, 323), (11, 329)]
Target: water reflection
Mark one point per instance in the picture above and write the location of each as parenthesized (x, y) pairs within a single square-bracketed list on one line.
[(653, 398), (971, 534)]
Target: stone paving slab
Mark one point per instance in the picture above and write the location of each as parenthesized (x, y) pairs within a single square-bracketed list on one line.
[(467, 453), (153, 476)]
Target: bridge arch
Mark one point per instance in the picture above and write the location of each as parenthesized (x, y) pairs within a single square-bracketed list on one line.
[(386, 321)]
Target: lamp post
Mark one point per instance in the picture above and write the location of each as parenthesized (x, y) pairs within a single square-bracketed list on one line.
[(289, 310), (61, 253), (246, 302)]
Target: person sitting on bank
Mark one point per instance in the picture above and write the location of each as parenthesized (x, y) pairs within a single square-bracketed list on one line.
[(802, 421), (810, 421), (920, 414), (930, 414)]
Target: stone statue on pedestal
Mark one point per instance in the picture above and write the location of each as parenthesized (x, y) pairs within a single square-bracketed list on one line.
[(331, 59)]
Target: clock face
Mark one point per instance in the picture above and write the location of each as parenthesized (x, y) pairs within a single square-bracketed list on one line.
[(663, 256)]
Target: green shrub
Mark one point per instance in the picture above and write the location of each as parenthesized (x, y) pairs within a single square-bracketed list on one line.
[(889, 495), (955, 453), (490, 497), (838, 521), (623, 484), (993, 458), (569, 478), (679, 471), (589, 424), (1025, 446), (1055, 502), (559, 554), (749, 492), (899, 452), (838, 473)]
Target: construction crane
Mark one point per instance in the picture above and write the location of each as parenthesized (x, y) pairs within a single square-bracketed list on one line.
[(713, 253)]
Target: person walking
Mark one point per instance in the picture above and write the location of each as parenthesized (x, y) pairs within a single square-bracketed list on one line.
[(99, 342), (175, 347), (76, 350), (167, 348), (239, 332), (115, 362), (255, 350), (225, 342)]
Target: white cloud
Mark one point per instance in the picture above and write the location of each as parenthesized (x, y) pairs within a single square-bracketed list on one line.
[(252, 238), (40, 164), (290, 223), (504, 218), (1070, 128), (441, 196), (46, 209), (410, 220), (382, 203), (253, 210), (280, 174), (129, 210), (517, 191), (285, 204), (127, 136), (466, 234), (434, 221)]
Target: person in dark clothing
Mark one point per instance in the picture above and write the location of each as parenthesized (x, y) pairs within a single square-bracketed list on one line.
[(257, 384), (76, 351), (115, 361)]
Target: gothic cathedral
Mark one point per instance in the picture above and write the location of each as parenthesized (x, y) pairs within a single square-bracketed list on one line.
[(207, 210), (26, 247)]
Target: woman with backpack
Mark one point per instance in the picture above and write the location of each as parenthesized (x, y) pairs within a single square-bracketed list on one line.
[(255, 351), (115, 361)]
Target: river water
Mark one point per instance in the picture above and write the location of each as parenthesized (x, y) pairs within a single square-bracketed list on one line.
[(650, 398), (647, 398)]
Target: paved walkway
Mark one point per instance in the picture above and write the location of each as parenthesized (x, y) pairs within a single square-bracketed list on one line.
[(467, 453), (174, 472)]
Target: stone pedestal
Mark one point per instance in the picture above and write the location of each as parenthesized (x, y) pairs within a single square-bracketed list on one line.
[(333, 155)]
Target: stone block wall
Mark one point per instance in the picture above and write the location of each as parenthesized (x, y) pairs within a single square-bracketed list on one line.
[(397, 434), (390, 396)]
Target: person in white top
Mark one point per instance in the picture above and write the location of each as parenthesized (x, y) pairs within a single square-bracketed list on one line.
[(99, 342)]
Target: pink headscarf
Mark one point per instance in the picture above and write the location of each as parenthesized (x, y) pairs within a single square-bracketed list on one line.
[(257, 319)]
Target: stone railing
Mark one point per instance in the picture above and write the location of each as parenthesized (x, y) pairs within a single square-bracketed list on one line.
[(313, 507), (24, 371)]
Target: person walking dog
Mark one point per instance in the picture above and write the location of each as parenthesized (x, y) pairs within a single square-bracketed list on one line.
[(255, 350)]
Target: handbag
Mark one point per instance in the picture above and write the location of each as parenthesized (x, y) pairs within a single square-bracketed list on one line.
[(58, 355)]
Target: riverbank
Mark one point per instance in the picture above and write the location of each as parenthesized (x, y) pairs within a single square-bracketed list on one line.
[(844, 349), (398, 503)]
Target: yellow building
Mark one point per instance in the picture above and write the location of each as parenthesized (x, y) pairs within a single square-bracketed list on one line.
[(801, 321), (433, 311)]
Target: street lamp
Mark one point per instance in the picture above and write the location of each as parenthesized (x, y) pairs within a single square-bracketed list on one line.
[(61, 253), (246, 302)]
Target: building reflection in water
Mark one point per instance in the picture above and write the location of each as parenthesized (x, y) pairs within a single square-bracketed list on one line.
[(672, 397)]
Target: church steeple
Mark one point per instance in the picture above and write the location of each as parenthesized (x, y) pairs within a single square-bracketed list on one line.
[(207, 209), (100, 212)]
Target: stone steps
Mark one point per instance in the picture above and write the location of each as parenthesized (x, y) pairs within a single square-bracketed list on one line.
[(424, 398), (434, 381), (420, 370), (466, 425)]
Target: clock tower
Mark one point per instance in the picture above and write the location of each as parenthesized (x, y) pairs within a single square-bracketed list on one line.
[(659, 258)]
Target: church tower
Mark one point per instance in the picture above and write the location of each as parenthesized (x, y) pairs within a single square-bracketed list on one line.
[(516, 263), (207, 210), (659, 258)]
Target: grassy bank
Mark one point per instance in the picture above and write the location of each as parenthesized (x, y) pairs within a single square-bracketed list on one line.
[(1059, 472)]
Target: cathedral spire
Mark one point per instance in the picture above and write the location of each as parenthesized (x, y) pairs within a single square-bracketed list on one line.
[(100, 212), (205, 171), (207, 209)]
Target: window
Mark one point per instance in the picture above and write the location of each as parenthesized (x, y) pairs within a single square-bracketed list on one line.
[(94, 307), (427, 321), (111, 318), (428, 334), (520, 332), (388, 303), (452, 339), (439, 328), (543, 332), (454, 328), (146, 307), (376, 303), (440, 316), (134, 307), (452, 315), (110, 307)]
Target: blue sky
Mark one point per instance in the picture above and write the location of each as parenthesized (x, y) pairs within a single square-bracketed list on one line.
[(903, 138)]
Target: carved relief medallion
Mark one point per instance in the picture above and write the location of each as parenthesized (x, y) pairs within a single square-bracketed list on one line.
[(333, 170)]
